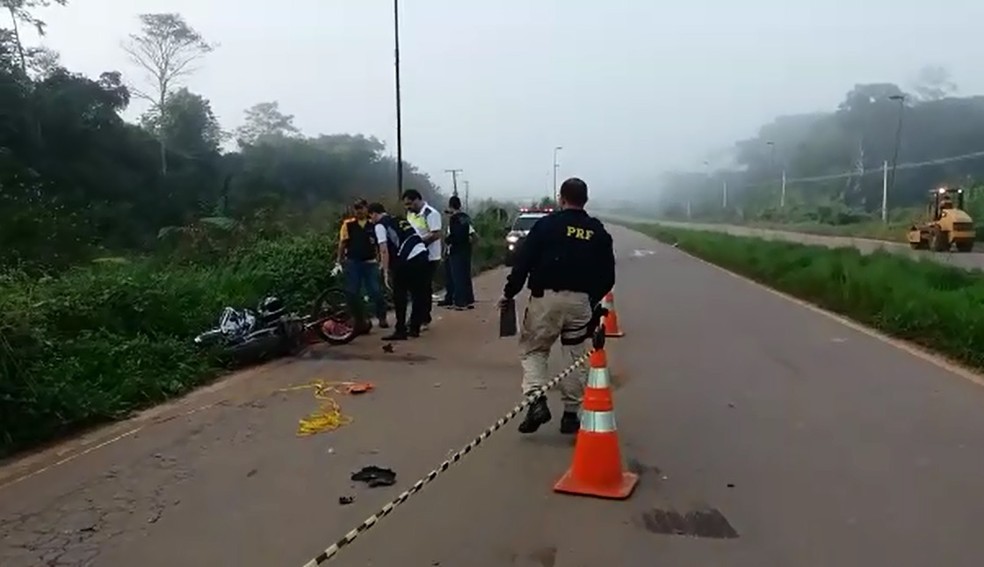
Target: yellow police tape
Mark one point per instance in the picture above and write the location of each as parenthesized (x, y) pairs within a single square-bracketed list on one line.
[(328, 416)]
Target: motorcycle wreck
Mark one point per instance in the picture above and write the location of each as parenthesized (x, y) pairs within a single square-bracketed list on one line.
[(248, 336)]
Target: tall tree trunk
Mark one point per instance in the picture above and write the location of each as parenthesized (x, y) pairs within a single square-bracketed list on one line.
[(20, 46), (161, 130)]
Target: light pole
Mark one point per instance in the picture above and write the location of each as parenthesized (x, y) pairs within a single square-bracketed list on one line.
[(898, 139), (556, 166), (772, 170), (399, 116), (707, 171), (454, 180)]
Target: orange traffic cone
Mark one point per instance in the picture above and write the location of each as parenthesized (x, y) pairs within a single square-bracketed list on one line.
[(611, 320), (597, 466)]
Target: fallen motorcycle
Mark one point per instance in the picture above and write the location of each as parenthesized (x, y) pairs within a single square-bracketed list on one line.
[(269, 331)]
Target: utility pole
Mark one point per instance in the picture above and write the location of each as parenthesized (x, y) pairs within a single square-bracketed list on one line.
[(454, 180), (724, 194), (782, 191), (556, 166), (884, 207), (467, 191), (898, 137), (399, 116)]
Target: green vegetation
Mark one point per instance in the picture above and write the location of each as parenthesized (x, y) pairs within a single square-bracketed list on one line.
[(923, 302), (833, 162), (123, 241)]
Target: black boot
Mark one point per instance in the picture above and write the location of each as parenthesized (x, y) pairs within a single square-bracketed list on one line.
[(537, 415), (397, 335), (570, 422)]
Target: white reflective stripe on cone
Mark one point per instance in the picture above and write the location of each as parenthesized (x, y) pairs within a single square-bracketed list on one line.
[(597, 378), (598, 421)]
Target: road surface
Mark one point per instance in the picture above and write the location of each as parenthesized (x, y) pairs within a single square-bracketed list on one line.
[(964, 260), (820, 445)]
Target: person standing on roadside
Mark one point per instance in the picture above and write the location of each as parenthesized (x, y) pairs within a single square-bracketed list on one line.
[(404, 259), (569, 262), (357, 252), (461, 294), (427, 220)]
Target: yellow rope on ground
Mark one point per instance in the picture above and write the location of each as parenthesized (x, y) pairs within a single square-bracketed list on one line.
[(328, 416)]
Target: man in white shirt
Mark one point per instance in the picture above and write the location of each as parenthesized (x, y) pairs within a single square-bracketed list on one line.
[(427, 220)]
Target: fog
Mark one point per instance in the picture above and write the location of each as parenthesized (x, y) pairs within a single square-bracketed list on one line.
[(629, 88)]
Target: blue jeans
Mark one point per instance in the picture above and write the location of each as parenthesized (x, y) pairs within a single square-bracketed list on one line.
[(359, 275), (459, 266)]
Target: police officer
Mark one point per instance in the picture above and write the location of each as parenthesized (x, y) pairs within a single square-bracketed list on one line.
[(404, 254), (569, 262)]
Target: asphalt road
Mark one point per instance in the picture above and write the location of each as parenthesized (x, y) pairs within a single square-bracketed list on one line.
[(820, 444)]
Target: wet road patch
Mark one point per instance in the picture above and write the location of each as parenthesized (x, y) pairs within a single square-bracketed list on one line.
[(706, 523), (640, 468)]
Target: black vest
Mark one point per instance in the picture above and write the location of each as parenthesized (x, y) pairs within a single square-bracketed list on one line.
[(361, 243), (401, 237)]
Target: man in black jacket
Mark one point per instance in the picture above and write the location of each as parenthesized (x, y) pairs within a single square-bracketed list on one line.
[(460, 293), (404, 259), (569, 262)]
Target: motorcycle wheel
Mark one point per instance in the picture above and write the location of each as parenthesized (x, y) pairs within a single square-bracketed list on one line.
[(334, 317)]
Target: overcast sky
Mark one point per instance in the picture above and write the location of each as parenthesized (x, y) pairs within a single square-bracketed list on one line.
[(627, 87)]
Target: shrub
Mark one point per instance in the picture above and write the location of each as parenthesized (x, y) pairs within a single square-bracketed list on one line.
[(99, 341)]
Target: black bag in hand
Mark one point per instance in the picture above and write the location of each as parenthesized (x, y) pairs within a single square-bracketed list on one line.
[(507, 319)]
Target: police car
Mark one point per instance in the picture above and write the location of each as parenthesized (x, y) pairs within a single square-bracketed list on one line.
[(520, 228)]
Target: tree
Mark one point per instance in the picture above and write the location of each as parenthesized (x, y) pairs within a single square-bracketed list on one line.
[(20, 11), (188, 126), (165, 49), (264, 120), (841, 154), (78, 182), (933, 83)]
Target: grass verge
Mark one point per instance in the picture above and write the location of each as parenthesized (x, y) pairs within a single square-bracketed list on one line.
[(935, 306)]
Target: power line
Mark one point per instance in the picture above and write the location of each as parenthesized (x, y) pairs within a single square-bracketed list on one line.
[(856, 173)]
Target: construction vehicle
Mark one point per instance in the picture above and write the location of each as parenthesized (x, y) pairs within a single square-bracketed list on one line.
[(949, 224)]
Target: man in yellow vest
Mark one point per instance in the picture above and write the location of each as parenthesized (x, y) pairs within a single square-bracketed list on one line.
[(358, 245)]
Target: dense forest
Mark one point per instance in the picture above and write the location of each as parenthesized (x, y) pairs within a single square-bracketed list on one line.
[(77, 182), (833, 161)]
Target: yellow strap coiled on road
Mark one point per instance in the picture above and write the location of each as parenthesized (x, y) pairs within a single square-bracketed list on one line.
[(328, 416)]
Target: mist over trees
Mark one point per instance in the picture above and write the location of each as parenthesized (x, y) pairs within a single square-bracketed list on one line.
[(77, 181), (858, 136)]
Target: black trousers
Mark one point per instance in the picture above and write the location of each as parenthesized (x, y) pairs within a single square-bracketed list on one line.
[(410, 285), (431, 272)]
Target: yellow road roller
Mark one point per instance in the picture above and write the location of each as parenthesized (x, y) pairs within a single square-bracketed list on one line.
[(949, 224)]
